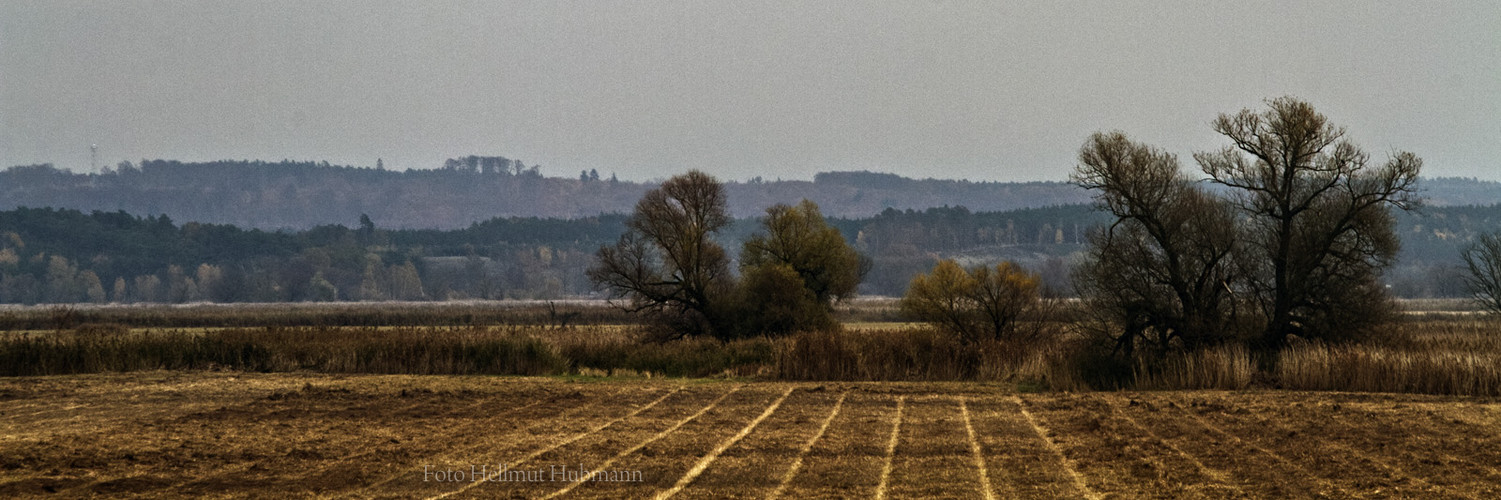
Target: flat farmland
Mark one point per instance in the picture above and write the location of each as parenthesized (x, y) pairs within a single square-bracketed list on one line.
[(245, 435)]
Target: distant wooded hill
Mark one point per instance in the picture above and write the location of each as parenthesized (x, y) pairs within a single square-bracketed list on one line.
[(300, 195), (490, 227), (52, 255)]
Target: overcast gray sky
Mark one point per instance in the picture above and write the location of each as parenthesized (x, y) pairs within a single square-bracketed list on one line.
[(977, 90)]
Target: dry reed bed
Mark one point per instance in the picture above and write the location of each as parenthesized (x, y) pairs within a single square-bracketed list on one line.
[(255, 315), (1384, 369), (1461, 357), (1228, 367), (913, 353), (1454, 356), (554, 313), (513, 350)]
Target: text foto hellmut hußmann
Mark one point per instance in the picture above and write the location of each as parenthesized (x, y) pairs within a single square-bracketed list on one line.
[(501, 473)]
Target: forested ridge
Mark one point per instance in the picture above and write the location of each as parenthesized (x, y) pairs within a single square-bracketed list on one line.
[(50, 255), (301, 195)]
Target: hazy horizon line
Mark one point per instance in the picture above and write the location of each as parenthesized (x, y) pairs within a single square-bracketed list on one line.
[(102, 169)]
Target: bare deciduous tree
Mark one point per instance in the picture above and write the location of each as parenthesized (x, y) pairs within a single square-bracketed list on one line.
[(1304, 232), (1161, 274), (667, 264), (1315, 216), (1483, 259)]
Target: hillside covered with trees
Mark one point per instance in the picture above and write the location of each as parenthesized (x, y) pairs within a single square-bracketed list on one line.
[(63, 255), (301, 195)]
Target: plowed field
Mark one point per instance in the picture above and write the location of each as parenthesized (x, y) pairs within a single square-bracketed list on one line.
[(235, 435)]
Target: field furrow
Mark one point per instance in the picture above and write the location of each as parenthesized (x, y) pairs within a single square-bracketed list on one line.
[(882, 487), (1215, 480), (217, 430), (703, 463), (780, 448), (1393, 450), (335, 442), (1315, 458), (987, 490), (755, 465), (555, 441), (407, 438), (1245, 467), (934, 457), (368, 437), (1117, 456), (666, 457), (556, 446), (848, 460), (482, 439)]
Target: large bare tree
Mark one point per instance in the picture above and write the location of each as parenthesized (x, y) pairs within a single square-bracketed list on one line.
[(1483, 259), (1315, 214), (1161, 275), (667, 263)]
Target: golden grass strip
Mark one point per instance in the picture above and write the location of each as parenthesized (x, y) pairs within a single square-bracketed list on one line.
[(1458, 366), (648, 441), (704, 462), (797, 463), (896, 430), (975, 452), (1068, 465)]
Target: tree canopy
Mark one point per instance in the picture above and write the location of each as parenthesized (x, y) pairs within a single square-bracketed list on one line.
[(1302, 230), (667, 263), (668, 266), (1316, 213), (795, 269), (980, 303), (1163, 270)]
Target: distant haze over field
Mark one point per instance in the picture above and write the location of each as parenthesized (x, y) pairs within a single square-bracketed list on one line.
[(970, 90)]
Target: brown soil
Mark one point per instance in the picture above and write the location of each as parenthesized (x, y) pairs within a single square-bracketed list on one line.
[(239, 435)]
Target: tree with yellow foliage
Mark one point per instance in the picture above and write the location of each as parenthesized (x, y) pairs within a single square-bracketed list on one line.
[(980, 303)]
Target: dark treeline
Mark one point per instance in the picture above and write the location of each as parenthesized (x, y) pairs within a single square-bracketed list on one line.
[(302, 195), (64, 255)]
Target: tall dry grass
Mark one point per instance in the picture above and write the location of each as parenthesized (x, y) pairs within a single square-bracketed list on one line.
[(560, 313), (513, 350), (1364, 368), (257, 315), (876, 355), (362, 350), (1228, 367), (1447, 356), (904, 354), (1460, 357)]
